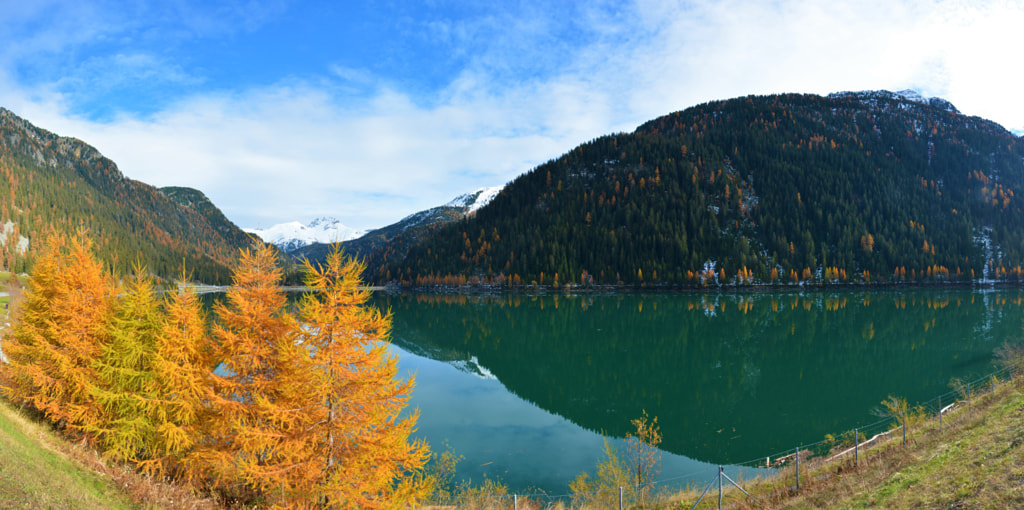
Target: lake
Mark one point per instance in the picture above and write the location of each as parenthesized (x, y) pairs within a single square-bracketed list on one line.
[(526, 387)]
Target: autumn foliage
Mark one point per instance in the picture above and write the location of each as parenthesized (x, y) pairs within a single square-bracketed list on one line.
[(269, 406), (60, 335), (353, 460)]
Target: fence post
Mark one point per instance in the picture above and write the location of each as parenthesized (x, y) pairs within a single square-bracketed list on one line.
[(904, 420), (798, 469), (968, 394), (940, 413), (856, 445), (719, 487), (620, 498), (515, 502)]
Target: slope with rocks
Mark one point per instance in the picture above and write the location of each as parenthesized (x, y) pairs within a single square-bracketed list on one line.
[(64, 185)]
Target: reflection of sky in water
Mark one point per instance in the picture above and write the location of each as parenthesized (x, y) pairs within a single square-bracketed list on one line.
[(506, 438)]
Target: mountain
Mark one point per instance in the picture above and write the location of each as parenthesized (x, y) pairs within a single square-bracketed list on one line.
[(293, 235), (854, 187), (63, 184), (197, 201), (471, 202), (390, 243)]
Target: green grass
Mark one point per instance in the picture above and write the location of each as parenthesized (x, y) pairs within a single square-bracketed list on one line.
[(34, 473)]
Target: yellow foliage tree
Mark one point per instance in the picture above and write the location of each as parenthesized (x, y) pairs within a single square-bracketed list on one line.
[(183, 364), (127, 389), (254, 417), (357, 452), (60, 333)]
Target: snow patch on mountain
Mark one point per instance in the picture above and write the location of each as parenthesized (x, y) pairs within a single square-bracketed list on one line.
[(909, 95), (474, 200), (294, 235)]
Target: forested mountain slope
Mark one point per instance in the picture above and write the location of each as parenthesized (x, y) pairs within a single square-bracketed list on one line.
[(869, 186), (64, 184)]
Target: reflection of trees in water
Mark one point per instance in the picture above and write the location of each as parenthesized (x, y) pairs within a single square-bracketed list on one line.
[(730, 376)]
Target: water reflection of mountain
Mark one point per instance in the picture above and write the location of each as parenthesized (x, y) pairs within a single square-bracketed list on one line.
[(731, 376)]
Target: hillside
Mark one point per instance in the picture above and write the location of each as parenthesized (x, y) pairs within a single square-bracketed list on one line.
[(197, 201), (868, 186), (64, 184)]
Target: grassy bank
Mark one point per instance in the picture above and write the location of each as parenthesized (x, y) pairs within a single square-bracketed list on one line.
[(36, 471), (40, 469), (975, 461)]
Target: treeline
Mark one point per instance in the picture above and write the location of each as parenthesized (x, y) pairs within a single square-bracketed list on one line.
[(260, 405), (774, 189), (60, 185)]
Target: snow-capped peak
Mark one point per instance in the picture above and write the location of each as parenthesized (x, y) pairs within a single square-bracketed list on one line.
[(294, 235), (474, 200)]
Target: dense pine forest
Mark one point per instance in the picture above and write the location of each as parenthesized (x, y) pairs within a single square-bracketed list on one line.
[(62, 185), (854, 187)]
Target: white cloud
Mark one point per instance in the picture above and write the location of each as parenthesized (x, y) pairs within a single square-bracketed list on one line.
[(290, 153)]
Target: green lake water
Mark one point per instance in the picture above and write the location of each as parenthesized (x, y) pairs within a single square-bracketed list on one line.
[(526, 388)]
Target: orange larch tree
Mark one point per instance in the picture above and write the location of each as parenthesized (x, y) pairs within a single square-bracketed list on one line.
[(183, 364), (253, 414), (60, 334), (358, 453)]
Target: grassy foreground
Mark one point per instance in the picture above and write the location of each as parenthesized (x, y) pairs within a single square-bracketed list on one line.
[(975, 461), (35, 473)]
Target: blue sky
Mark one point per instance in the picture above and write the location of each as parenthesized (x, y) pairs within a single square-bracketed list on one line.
[(369, 111)]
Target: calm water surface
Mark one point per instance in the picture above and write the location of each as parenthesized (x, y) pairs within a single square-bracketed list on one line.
[(526, 388)]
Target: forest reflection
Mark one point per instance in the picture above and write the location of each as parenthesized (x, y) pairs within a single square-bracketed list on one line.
[(730, 376)]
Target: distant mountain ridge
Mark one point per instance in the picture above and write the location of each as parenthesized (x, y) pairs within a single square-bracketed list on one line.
[(293, 235), (391, 242), (62, 184), (871, 186)]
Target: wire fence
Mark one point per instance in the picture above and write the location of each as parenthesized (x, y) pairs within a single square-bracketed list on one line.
[(846, 447)]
